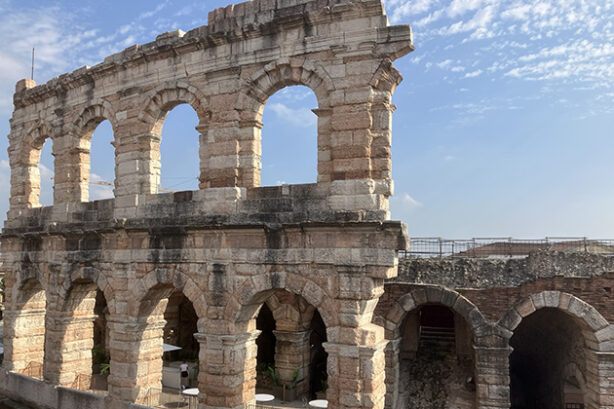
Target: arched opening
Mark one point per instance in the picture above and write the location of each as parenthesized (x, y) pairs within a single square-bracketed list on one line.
[(318, 373), (179, 163), (80, 331), (45, 176), (289, 137), (436, 360), (99, 182), (27, 351), (544, 343), (290, 360), (265, 323), (169, 322), (100, 352)]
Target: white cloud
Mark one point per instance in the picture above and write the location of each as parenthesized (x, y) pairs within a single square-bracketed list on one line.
[(409, 201), (460, 7), (517, 12), (473, 74), (45, 172), (301, 117), (445, 63)]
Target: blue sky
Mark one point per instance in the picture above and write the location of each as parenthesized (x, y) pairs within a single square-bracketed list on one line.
[(504, 120)]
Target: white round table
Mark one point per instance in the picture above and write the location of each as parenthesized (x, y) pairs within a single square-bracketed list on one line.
[(318, 404), (264, 397), (192, 394)]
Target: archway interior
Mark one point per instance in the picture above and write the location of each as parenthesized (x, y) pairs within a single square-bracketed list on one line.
[(28, 344), (169, 324), (291, 360), (178, 157), (289, 137), (544, 343), (100, 351), (101, 177), (436, 360)]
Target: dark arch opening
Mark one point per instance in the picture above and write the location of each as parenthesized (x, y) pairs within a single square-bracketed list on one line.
[(265, 341), (544, 343), (436, 360), (289, 137), (291, 361), (318, 372)]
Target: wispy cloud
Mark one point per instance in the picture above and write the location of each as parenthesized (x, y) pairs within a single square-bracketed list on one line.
[(562, 43), (409, 201), (301, 117)]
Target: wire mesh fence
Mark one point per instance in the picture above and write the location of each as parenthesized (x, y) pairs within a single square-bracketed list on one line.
[(162, 399), (34, 370), (90, 383), (503, 247)]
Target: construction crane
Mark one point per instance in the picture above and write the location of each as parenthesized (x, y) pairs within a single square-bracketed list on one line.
[(105, 183)]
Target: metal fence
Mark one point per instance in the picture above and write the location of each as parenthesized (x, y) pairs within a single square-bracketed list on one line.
[(34, 370), (503, 247)]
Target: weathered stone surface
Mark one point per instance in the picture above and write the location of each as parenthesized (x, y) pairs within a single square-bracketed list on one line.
[(230, 246)]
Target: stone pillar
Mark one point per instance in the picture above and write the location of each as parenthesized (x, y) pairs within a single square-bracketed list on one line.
[(72, 169), (393, 366), (138, 169), (325, 165), (219, 147), (227, 376), (136, 358), (293, 353), (492, 377), (604, 382), (356, 372), (24, 340), (68, 348)]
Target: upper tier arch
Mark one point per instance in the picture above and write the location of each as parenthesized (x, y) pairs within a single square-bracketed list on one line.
[(341, 49)]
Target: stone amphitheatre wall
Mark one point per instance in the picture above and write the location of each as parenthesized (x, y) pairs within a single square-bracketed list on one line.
[(233, 246), (229, 247)]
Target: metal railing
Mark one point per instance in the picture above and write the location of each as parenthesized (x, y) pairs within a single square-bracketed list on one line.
[(503, 247), (157, 398), (34, 370), (90, 383)]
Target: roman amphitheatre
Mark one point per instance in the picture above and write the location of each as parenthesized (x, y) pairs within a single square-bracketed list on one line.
[(309, 288)]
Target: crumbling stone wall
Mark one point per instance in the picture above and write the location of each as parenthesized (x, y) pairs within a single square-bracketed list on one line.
[(495, 297)]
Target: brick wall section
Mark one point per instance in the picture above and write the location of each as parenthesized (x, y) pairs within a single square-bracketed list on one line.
[(495, 285), (494, 302)]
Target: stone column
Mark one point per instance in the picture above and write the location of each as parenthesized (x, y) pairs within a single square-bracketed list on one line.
[(293, 353), (604, 382), (136, 358), (492, 377), (24, 340), (227, 376), (71, 168), (219, 146), (393, 365), (138, 169), (68, 348), (356, 371)]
